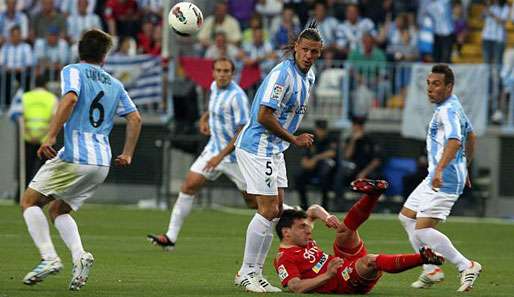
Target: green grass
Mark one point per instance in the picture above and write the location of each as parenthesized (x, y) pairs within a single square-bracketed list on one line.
[(209, 252)]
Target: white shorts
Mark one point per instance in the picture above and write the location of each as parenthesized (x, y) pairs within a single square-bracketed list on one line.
[(428, 203), (263, 175), (73, 183), (231, 170)]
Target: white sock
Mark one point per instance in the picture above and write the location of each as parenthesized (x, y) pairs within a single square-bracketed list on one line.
[(410, 227), (255, 246), (40, 232), (181, 210), (69, 232), (263, 252), (442, 244)]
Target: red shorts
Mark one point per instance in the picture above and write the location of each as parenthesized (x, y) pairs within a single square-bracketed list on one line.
[(350, 282)]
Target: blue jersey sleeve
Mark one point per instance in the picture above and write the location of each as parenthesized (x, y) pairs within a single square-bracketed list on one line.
[(70, 80), (125, 105), (276, 87), (240, 109), (451, 122)]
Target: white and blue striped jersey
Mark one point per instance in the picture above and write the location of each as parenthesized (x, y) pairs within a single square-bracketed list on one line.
[(228, 110), (441, 13), (285, 89), (100, 98), (495, 30), (16, 56), (448, 122)]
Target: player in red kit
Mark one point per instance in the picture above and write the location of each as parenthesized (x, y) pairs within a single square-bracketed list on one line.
[(303, 267)]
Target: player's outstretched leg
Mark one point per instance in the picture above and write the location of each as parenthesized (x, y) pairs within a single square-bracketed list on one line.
[(161, 240), (360, 211), (401, 262), (469, 276), (42, 270), (80, 272)]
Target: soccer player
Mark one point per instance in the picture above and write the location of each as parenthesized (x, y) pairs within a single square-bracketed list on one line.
[(450, 147), (228, 113), (276, 113), (90, 100), (303, 267)]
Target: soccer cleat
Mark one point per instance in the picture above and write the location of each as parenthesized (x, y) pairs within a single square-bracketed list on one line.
[(42, 270), (80, 271), (369, 186), (161, 240), (250, 282), (428, 278), (469, 276), (267, 285), (430, 257)]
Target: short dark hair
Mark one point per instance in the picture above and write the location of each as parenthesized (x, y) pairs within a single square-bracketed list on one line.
[(449, 78), (224, 59), (94, 46), (287, 220), (41, 81)]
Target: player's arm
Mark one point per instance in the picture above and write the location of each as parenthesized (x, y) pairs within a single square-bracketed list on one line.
[(64, 110), (216, 160), (268, 120), (316, 211), (204, 124), (470, 147), (449, 152), (299, 285), (132, 132)]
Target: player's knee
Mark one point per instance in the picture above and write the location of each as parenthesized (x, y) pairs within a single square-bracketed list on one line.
[(189, 188), (57, 208), (370, 262), (270, 212)]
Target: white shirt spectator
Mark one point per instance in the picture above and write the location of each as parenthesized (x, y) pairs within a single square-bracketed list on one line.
[(70, 7), (441, 13), (79, 23), (58, 53), (154, 6), (328, 28), (213, 52), (494, 30), (16, 56), (349, 35), (19, 19), (21, 5)]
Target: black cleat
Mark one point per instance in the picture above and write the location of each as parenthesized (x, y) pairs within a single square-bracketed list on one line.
[(369, 186), (161, 240), (430, 257)]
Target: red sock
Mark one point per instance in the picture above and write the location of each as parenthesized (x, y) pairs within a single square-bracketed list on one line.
[(360, 211), (398, 263)]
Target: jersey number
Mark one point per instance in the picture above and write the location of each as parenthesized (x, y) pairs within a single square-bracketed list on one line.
[(96, 105), (269, 169)]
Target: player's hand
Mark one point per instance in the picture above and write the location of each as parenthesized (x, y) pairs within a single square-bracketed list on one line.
[(437, 180), (332, 222), (213, 163), (46, 149), (204, 128), (304, 140), (123, 160), (334, 265), (468, 182)]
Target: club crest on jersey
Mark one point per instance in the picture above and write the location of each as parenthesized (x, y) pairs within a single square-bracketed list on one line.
[(277, 92), (346, 273), (316, 268), (268, 181), (282, 272)]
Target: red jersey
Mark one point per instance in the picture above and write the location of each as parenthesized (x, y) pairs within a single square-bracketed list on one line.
[(115, 9), (310, 261)]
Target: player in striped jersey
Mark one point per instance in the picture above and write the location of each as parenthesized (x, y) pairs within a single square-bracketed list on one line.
[(90, 100), (277, 110), (228, 112), (450, 147)]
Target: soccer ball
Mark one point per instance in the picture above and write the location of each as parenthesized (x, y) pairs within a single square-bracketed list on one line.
[(185, 18)]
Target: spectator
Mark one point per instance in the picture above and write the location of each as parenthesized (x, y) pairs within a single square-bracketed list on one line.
[(82, 21), (496, 14), (16, 58), (426, 38), (259, 52), (327, 25), (221, 48), (36, 107), (270, 10), (156, 44), (301, 8), (72, 7), (11, 17), (401, 39), (122, 17), (151, 7), (441, 13), (381, 12), (126, 47), (362, 157), (367, 55), (350, 32), (255, 23), (51, 53), (285, 27), (220, 21), (144, 38), (48, 17), (318, 165), (242, 11), (461, 26)]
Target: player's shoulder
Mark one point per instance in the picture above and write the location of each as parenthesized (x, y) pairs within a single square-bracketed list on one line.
[(67, 68), (238, 91)]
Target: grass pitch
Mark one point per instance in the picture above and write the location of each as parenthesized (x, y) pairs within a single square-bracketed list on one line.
[(210, 249)]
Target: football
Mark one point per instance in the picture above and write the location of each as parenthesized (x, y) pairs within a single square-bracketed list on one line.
[(185, 18)]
